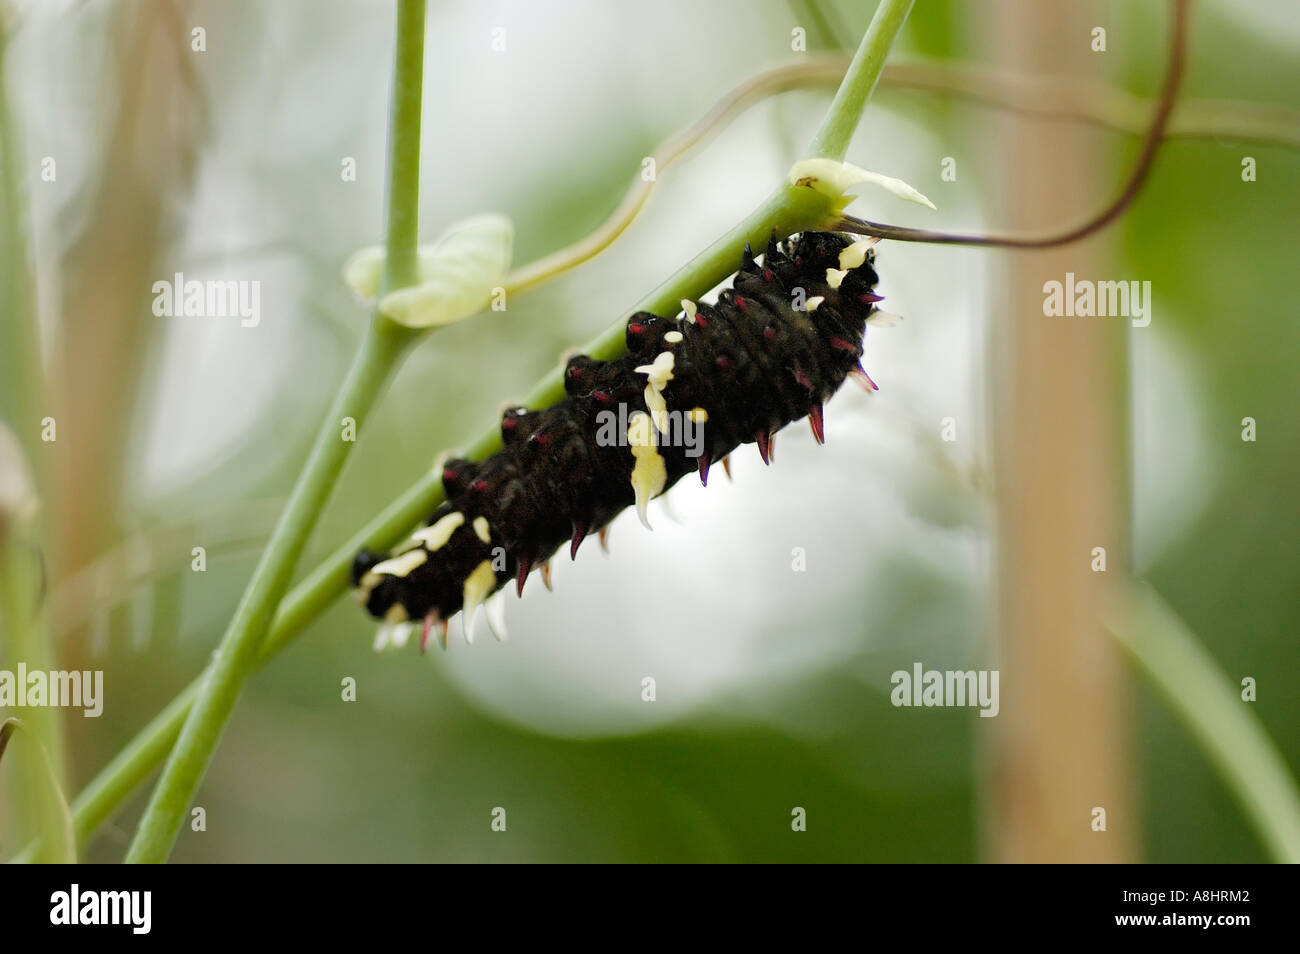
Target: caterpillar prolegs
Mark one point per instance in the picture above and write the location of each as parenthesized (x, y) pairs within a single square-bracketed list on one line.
[(773, 349)]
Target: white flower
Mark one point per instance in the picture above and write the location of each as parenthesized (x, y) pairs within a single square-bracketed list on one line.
[(834, 179), (458, 273)]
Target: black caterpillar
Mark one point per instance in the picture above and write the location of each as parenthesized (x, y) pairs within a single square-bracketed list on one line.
[(773, 349)]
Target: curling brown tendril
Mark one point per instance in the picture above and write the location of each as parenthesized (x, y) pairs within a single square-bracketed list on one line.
[(1150, 146)]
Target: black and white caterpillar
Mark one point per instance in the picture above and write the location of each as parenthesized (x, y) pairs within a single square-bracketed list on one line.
[(773, 349)]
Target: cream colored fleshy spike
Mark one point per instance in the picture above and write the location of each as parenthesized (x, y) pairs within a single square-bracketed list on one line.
[(674, 337), (394, 631), (365, 587), (482, 530), (401, 565), (435, 536), (402, 633), (660, 372), (649, 474), (495, 612), (689, 309), (812, 303), (834, 276), (477, 586), (658, 375), (658, 407), (851, 256)]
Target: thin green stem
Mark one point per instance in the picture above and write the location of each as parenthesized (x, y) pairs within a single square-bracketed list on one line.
[(786, 211), (38, 762), (1213, 712), (1137, 178), (832, 138), (822, 33), (403, 198), (22, 385), (381, 351)]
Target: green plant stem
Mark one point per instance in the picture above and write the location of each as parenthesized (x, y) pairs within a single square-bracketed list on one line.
[(22, 386), (1213, 712), (403, 197), (38, 761), (55, 820), (821, 32), (381, 351), (832, 138), (787, 211)]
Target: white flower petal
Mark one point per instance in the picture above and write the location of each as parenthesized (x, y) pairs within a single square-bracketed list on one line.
[(883, 319), (458, 273), (836, 178), (363, 270)]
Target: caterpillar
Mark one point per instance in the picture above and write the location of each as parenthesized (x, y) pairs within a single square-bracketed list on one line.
[(773, 349)]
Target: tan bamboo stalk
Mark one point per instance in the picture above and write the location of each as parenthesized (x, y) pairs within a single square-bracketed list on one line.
[(1059, 398)]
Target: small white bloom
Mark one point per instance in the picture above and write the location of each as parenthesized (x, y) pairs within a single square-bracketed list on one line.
[(834, 179), (457, 273)]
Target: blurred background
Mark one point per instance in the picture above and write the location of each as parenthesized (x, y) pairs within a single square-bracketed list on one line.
[(771, 684)]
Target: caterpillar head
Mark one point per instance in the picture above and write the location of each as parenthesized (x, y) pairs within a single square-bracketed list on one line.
[(363, 562), (377, 593)]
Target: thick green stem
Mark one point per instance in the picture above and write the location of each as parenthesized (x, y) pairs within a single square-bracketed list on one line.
[(832, 138), (787, 211), (381, 351), (1212, 710)]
